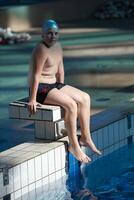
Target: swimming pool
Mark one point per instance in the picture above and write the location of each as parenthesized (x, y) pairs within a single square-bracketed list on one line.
[(108, 178), (67, 179), (111, 177)]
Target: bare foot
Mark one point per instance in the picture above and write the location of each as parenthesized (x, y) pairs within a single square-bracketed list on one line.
[(79, 154), (87, 142), (86, 193)]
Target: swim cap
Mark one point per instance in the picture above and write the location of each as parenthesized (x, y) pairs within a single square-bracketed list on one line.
[(49, 24)]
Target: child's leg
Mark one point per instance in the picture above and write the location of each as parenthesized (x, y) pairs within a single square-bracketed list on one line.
[(83, 101), (56, 97)]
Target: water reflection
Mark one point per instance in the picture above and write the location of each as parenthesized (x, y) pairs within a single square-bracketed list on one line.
[(76, 181)]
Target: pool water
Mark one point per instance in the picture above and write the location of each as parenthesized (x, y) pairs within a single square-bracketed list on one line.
[(109, 178), (121, 183)]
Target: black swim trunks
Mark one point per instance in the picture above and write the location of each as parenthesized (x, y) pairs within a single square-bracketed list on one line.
[(44, 89)]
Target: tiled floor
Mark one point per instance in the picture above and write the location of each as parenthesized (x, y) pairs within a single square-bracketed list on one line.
[(98, 60)]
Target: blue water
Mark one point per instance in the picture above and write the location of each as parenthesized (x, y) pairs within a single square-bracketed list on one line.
[(108, 178)]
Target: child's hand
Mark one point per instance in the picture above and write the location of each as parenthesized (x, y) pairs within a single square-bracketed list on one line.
[(32, 107)]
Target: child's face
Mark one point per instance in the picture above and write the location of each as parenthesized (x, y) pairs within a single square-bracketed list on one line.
[(50, 36)]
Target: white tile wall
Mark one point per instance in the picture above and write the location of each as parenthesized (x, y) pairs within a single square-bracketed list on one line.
[(17, 194), (116, 132), (111, 137), (16, 177), (95, 137), (12, 196), (45, 185), (58, 174), (110, 134), (63, 156), (58, 158), (24, 192), (122, 129), (110, 149), (42, 165), (122, 143), (2, 187), (105, 136), (31, 171), (87, 151), (38, 168), (94, 157), (105, 152), (9, 187), (51, 162), (63, 172), (20, 198), (100, 138), (52, 178), (126, 128), (24, 174), (1, 178), (31, 187), (116, 146), (45, 182), (39, 188), (44, 162), (32, 192), (131, 131), (132, 121)]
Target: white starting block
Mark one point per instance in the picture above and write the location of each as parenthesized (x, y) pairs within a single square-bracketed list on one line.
[(48, 119)]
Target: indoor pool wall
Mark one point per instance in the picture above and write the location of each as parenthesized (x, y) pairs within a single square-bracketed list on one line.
[(111, 130), (112, 136), (109, 139), (114, 132)]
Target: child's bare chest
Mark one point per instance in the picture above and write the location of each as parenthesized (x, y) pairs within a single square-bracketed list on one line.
[(53, 60)]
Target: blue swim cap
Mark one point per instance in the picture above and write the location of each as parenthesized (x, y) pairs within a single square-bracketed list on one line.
[(49, 24)]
